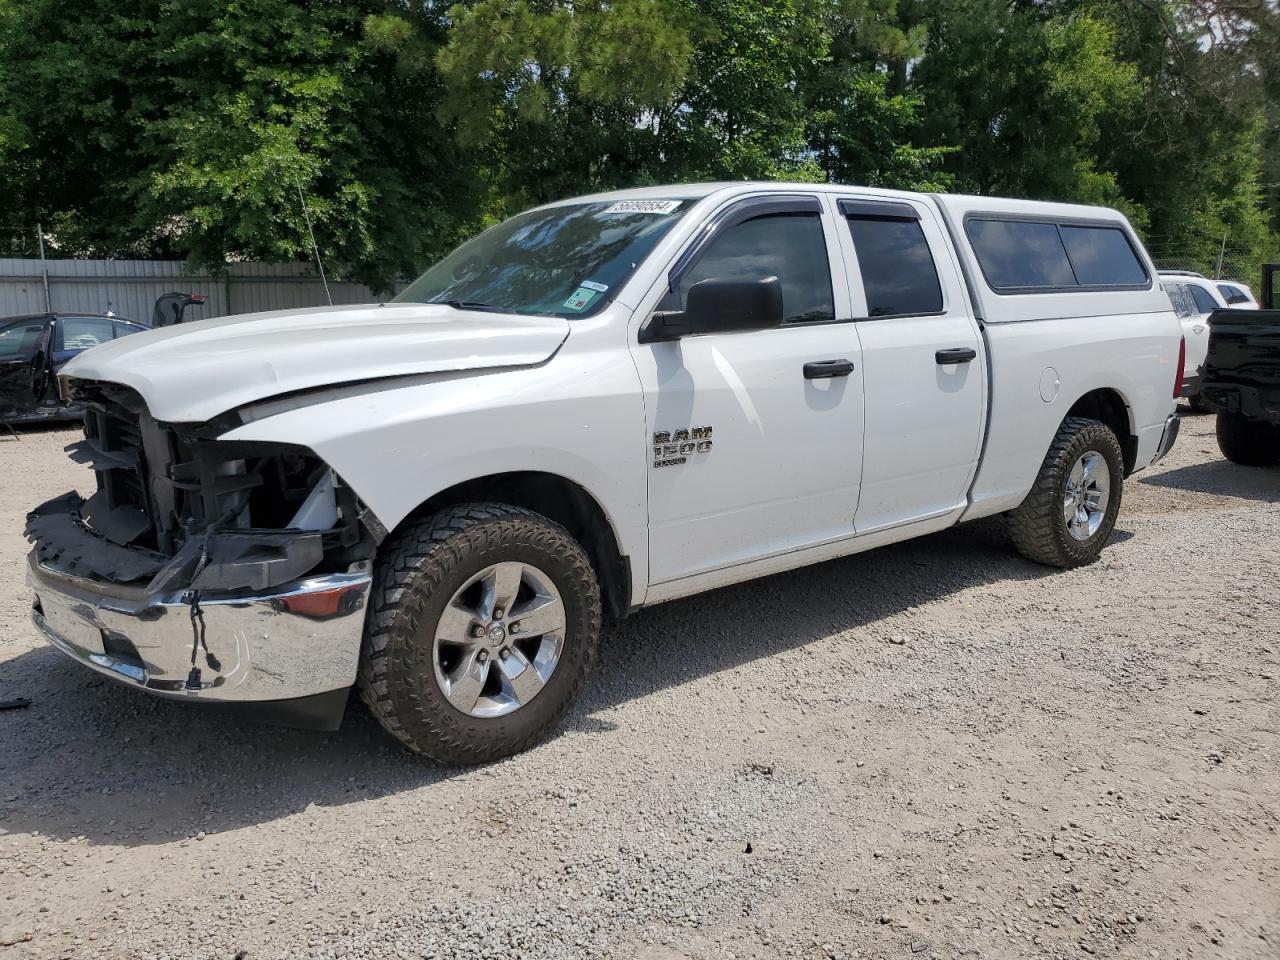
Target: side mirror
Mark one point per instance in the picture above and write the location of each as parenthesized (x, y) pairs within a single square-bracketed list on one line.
[(720, 306)]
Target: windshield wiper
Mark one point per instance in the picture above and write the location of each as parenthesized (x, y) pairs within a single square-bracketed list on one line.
[(473, 305)]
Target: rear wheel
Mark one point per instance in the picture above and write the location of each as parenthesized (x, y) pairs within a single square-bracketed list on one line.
[(1251, 443), (483, 628), (1069, 514)]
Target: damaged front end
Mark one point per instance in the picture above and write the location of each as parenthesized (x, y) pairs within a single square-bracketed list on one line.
[(259, 547)]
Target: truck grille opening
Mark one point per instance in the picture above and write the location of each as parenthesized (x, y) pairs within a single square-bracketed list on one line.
[(235, 514), (120, 510)]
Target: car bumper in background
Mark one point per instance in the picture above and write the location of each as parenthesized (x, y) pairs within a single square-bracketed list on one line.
[(1252, 402), (296, 643)]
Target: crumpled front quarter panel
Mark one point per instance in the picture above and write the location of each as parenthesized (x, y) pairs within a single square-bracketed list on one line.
[(580, 416)]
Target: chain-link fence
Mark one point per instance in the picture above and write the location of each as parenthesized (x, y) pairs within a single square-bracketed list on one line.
[(1220, 260)]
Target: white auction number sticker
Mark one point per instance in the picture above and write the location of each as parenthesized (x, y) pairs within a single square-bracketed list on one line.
[(644, 206)]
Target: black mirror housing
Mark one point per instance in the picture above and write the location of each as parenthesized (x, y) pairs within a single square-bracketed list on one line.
[(720, 306)]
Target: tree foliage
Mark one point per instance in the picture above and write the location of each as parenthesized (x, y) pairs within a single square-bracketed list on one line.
[(190, 128)]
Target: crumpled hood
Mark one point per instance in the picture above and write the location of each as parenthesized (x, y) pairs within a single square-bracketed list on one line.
[(195, 371)]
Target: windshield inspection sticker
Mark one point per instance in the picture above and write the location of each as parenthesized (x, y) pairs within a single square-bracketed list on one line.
[(581, 298), (644, 206)]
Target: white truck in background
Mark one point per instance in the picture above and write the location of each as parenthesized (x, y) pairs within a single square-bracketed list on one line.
[(595, 406), (1194, 298)]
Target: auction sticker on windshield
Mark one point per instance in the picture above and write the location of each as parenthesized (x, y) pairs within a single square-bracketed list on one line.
[(581, 298), (644, 206)]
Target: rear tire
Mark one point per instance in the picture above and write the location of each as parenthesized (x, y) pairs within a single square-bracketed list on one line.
[(443, 667), (1083, 469), (1250, 443)]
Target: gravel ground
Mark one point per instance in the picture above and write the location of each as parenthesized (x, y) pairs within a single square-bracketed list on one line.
[(931, 750)]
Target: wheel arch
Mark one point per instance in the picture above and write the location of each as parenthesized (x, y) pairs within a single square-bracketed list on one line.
[(1108, 405), (559, 499)]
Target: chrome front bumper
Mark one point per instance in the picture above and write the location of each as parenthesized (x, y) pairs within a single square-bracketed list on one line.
[(298, 640)]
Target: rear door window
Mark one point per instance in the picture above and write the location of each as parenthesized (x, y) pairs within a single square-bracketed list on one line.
[(1183, 305), (898, 272), (124, 328), (788, 246), (1203, 299), (81, 333)]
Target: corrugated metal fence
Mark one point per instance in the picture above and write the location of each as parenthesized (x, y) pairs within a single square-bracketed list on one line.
[(130, 287)]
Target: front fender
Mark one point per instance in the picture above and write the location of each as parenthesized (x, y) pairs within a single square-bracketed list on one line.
[(581, 418)]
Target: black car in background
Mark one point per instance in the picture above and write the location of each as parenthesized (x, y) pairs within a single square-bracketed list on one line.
[(32, 351)]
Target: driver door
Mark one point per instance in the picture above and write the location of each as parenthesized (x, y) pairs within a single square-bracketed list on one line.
[(756, 435), (24, 357)]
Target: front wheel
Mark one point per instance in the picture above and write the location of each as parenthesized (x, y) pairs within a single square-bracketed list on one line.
[(1069, 514), (1251, 443), (483, 627)]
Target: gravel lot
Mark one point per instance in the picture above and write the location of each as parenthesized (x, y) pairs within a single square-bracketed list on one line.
[(931, 750)]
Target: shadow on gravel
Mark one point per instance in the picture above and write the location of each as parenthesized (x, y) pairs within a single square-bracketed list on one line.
[(95, 760), (1223, 478)]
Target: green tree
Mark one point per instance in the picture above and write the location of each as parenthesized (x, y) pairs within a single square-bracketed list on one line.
[(591, 96), (860, 114), (1025, 97), (187, 127), (1192, 153)]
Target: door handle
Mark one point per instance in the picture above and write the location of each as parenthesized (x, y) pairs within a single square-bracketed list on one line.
[(825, 369), (955, 355)]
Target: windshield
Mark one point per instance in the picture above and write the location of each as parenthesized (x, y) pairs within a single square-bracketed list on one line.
[(566, 261)]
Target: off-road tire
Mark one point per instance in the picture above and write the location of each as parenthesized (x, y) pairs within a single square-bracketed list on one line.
[(1037, 526), (1251, 443), (417, 572)]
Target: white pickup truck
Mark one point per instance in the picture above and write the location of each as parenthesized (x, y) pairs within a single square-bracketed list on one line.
[(598, 405)]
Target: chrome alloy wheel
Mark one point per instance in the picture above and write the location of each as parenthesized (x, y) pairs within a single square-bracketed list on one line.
[(499, 640), (1084, 503)]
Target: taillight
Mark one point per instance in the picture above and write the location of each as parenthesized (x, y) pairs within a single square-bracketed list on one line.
[(1182, 368)]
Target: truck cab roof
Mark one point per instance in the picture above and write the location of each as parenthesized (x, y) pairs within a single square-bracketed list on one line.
[(952, 201)]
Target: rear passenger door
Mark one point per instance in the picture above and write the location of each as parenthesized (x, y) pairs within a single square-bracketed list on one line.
[(1195, 331), (924, 369)]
